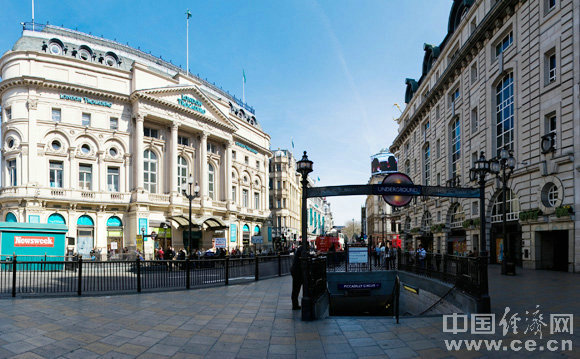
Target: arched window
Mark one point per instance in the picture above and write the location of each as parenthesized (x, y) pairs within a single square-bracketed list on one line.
[(85, 221), (181, 171), (150, 171), (256, 230), (56, 218), (457, 217), (512, 207), (246, 228), (210, 181), (114, 221), (10, 217), (505, 114)]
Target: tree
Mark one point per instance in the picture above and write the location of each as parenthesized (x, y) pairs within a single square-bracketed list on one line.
[(351, 228)]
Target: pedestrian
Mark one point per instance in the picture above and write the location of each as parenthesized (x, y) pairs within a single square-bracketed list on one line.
[(297, 279), (392, 256), (421, 255), (160, 254), (388, 256)]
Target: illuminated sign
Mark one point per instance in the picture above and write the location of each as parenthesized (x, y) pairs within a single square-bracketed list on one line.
[(25, 241), (86, 100), (383, 162), (191, 103)]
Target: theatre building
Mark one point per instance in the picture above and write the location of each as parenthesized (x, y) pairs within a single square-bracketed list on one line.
[(504, 80), (103, 138)]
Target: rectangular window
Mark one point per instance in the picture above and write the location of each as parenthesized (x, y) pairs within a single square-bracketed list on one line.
[(425, 130), (182, 140), (271, 184), (437, 112), (551, 124), (474, 120), (234, 155), (551, 67), (475, 208), (438, 148), (245, 198), (278, 167), (246, 160), (271, 203), (256, 200), (55, 114), (150, 132), (549, 5), (473, 73), (8, 113), (278, 203), (233, 193), (505, 114), (427, 165), (473, 26), (258, 164), (504, 44), (438, 179), (12, 173), (278, 185), (284, 203), (113, 179), (113, 123), (55, 174), (453, 96), (212, 147), (455, 148), (86, 177), (86, 121)]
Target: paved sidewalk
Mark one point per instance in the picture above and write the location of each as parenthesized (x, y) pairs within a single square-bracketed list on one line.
[(251, 321)]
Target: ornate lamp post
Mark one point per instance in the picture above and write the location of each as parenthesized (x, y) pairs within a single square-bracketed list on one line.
[(480, 169), (382, 213), (304, 167), (502, 167), (190, 196)]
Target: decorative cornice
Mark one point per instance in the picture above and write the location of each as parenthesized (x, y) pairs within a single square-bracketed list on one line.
[(482, 34)]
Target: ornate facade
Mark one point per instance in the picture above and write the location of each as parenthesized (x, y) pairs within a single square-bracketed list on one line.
[(102, 137), (505, 77)]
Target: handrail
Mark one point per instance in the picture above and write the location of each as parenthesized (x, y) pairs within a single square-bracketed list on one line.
[(396, 296)]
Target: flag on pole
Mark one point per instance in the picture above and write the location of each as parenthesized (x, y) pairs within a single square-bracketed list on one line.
[(188, 13), (292, 139), (318, 179), (244, 75)]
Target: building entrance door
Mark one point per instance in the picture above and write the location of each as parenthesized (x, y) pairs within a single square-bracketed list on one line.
[(554, 250), (85, 242)]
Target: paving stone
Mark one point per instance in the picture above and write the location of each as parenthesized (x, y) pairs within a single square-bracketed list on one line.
[(19, 347), (81, 354), (400, 353)]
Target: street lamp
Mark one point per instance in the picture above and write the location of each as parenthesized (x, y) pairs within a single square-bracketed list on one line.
[(304, 167), (480, 169), (190, 196), (502, 167), (382, 213)]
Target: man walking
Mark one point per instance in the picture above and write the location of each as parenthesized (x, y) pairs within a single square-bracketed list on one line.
[(297, 279)]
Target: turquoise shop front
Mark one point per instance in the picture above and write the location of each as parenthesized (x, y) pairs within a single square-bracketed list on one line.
[(32, 241)]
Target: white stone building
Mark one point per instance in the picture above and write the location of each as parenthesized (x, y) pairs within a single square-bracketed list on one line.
[(100, 136), (506, 76)]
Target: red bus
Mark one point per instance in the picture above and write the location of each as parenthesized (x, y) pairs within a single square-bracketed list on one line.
[(323, 243)]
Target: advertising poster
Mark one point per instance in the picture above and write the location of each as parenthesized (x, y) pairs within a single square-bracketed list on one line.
[(383, 162), (358, 255)]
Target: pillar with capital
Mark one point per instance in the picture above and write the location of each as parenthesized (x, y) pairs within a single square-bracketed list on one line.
[(173, 185), (203, 185), (228, 175), (138, 144)]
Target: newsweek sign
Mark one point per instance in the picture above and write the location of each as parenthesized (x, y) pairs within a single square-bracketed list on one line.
[(28, 241)]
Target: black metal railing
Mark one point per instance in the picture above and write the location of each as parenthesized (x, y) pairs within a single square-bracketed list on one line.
[(78, 276)]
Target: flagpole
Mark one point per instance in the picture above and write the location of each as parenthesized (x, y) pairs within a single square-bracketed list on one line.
[(32, 15), (243, 89), (187, 45)]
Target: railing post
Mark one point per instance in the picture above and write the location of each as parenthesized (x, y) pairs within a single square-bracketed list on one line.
[(227, 265), (257, 274), (279, 265), (80, 279), (187, 274), (138, 265), (13, 275)]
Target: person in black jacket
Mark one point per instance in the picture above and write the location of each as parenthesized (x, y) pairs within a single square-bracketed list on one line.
[(297, 279)]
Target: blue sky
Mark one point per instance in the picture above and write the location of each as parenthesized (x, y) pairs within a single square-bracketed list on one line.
[(325, 72)]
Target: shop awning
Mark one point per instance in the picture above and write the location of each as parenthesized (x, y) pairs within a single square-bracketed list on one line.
[(206, 223)]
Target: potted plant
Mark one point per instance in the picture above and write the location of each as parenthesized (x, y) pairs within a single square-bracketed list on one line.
[(564, 211)]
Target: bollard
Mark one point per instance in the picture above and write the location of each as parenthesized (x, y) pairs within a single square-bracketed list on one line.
[(138, 264), (187, 274), (80, 280), (257, 268), (227, 274)]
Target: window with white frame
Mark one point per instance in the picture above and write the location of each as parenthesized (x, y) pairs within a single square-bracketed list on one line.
[(473, 73), (245, 198), (455, 147), (150, 132), (474, 120), (453, 96), (55, 174), (551, 123), (512, 207), (86, 119), (505, 113), (550, 195), (85, 177), (233, 193), (212, 147), (475, 208), (427, 164), (256, 200), (457, 217), (211, 181), (8, 112), (113, 179), (438, 148), (56, 114), (504, 44), (182, 171), (182, 140), (150, 171), (426, 222), (12, 179), (551, 67)]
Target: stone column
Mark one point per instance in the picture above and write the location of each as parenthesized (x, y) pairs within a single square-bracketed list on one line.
[(203, 185), (228, 179), (173, 159), (72, 170), (138, 156), (101, 172)]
